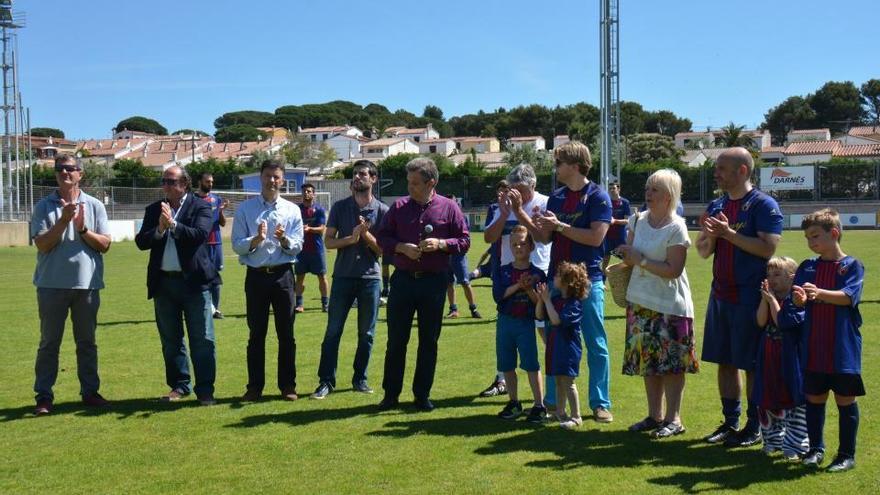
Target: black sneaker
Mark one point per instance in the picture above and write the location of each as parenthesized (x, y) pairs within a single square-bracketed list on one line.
[(475, 313), (720, 434), (841, 463), (361, 387), (497, 388), (218, 315), (743, 438), (512, 410), (322, 391), (537, 414), (814, 458), (324, 308)]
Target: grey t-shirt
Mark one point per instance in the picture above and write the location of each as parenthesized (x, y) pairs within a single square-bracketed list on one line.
[(357, 261), (71, 264)]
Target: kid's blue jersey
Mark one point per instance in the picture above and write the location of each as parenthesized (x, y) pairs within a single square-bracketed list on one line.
[(779, 375), (831, 332), (579, 209), (518, 305), (736, 274), (620, 210)]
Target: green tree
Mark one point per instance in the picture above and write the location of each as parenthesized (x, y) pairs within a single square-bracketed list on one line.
[(632, 118), (47, 132), (298, 150), (838, 105), (141, 124), (732, 135), (239, 133), (252, 118), (666, 123), (870, 97), (127, 168), (96, 173), (540, 160), (645, 148), (793, 113), (432, 112), (190, 132)]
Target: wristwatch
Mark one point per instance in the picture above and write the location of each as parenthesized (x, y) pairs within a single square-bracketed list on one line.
[(560, 227), (84, 230)]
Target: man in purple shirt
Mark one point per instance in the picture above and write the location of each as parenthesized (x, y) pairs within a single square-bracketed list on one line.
[(421, 230)]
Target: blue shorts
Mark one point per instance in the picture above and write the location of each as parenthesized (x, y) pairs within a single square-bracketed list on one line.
[(458, 271), (313, 263), (731, 334), (512, 335), (215, 252), (848, 384), (485, 270)]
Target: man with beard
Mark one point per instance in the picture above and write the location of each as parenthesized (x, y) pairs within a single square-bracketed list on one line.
[(351, 230), (215, 244)]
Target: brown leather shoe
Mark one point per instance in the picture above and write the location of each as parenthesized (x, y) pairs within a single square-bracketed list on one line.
[(172, 396), (251, 396), (289, 394)]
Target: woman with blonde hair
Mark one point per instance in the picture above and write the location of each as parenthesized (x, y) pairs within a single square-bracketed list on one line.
[(660, 312)]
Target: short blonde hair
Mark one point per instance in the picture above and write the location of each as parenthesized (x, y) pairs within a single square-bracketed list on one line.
[(575, 152), (521, 230), (826, 218), (574, 276), (668, 181), (784, 263)]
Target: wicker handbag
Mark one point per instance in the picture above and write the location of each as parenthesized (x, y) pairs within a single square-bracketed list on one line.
[(618, 276)]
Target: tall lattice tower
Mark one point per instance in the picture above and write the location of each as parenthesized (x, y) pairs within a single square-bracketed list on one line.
[(11, 184), (609, 75)]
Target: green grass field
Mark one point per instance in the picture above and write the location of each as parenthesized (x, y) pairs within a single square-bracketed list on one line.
[(341, 444)]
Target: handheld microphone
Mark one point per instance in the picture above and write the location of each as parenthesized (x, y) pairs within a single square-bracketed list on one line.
[(427, 232)]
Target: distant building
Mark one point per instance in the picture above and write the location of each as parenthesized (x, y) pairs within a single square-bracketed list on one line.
[(534, 142), (560, 140), (808, 135), (693, 139), (440, 146), (318, 135), (385, 147), (479, 144), (415, 135)]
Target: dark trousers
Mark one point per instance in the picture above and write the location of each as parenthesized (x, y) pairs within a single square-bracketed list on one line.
[(425, 295), (262, 290)]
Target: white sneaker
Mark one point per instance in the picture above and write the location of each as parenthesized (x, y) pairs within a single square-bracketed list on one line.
[(383, 301), (571, 423)]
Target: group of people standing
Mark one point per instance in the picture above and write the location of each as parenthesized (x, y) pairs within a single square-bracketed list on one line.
[(547, 260)]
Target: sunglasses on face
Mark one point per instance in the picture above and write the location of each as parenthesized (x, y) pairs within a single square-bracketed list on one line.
[(169, 182), (67, 168)]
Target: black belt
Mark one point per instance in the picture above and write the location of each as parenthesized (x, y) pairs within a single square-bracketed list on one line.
[(270, 269), (172, 274), (419, 274)]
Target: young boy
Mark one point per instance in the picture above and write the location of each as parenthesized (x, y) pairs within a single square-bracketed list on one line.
[(778, 390), (829, 288), (513, 287)]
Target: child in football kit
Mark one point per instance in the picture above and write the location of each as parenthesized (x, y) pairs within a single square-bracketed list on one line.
[(829, 288), (563, 351), (778, 391)]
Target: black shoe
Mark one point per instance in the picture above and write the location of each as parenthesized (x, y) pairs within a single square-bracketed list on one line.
[(322, 391), (388, 404), (647, 424), (218, 315), (720, 434), (475, 313), (841, 463), (497, 388), (743, 438), (814, 458), (424, 405), (361, 387), (537, 414), (324, 308), (512, 410)]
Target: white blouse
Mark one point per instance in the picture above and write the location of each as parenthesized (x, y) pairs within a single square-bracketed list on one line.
[(667, 296)]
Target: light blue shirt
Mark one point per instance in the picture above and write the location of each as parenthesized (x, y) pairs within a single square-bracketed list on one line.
[(170, 260), (71, 264), (247, 220)]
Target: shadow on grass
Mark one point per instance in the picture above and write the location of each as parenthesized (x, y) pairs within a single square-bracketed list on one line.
[(303, 417), (123, 409), (702, 467), (124, 322)]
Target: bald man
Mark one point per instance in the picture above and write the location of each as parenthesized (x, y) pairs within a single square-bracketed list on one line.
[(741, 229)]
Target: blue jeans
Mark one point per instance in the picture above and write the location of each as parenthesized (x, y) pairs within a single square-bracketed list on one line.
[(343, 293), (175, 302), (54, 305)]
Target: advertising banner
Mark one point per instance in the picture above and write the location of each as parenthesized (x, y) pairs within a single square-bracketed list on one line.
[(787, 178)]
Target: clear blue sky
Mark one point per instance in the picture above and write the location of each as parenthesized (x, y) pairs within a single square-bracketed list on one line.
[(85, 65)]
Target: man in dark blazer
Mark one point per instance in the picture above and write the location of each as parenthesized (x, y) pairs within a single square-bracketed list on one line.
[(179, 277)]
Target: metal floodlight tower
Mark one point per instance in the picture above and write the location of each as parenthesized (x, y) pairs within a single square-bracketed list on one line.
[(10, 204), (609, 91)]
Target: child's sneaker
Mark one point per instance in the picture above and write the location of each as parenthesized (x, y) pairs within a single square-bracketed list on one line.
[(814, 458), (571, 423), (768, 449), (537, 414), (512, 410)]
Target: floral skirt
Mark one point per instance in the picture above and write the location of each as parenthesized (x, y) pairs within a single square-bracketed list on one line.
[(658, 344)]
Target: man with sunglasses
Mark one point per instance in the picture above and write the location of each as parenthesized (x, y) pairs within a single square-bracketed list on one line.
[(180, 275), (71, 233), (577, 219), (351, 230)]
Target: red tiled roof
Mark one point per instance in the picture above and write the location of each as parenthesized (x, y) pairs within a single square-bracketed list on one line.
[(411, 131), (858, 150), (808, 131), (433, 141), (690, 134), (335, 128), (525, 138), (384, 142), (811, 147), (463, 139), (865, 130)]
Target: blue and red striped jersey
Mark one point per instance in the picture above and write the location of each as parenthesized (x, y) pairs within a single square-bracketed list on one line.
[(579, 209), (313, 216)]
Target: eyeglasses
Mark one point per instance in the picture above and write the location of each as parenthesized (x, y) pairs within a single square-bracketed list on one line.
[(67, 168), (169, 182)]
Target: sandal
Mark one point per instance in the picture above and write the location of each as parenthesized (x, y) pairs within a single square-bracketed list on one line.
[(646, 424), (668, 430)]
